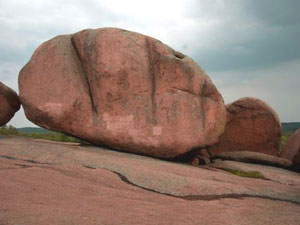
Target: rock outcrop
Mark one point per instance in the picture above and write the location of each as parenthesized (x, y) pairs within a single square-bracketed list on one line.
[(252, 126), (124, 90), (254, 157), (274, 174), (9, 104), (291, 149), (55, 183)]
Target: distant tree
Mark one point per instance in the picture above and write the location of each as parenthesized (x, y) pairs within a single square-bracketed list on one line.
[(12, 129), (8, 129)]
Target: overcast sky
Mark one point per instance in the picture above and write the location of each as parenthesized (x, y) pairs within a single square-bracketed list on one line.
[(248, 47)]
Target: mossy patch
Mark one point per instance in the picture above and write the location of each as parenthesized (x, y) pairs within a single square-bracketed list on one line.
[(284, 138), (251, 174)]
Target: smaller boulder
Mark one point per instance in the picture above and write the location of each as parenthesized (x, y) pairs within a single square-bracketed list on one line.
[(9, 104), (291, 149), (252, 126), (254, 157)]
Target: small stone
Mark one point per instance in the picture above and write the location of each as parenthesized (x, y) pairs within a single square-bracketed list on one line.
[(203, 160), (195, 161)]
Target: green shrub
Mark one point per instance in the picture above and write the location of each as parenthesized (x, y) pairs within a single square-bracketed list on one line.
[(284, 138), (8, 130), (52, 136)]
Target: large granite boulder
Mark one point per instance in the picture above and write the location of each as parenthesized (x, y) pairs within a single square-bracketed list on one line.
[(9, 104), (291, 149), (252, 126), (124, 90)]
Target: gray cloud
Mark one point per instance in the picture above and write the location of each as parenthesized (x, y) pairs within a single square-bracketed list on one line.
[(274, 12), (277, 85), (246, 34)]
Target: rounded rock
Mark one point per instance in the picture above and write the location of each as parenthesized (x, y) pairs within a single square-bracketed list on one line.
[(9, 104), (252, 126), (123, 90), (291, 149)]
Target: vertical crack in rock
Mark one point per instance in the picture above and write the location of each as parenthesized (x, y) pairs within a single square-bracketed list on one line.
[(152, 79), (94, 108), (203, 99)]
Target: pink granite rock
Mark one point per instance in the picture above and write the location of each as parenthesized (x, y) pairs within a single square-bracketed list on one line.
[(252, 126), (254, 157), (291, 149), (124, 90), (9, 104), (55, 183)]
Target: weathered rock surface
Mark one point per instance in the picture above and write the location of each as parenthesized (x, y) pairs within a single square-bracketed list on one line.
[(252, 126), (254, 157), (124, 90), (279, 175), (54, 183), (291, 149), (9, 104)]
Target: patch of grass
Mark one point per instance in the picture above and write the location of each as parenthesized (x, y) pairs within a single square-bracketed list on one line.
[(251, 174), (284, 138), (52, 136)]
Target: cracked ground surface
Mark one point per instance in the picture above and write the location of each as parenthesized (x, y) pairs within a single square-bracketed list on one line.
[(53, 183)]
